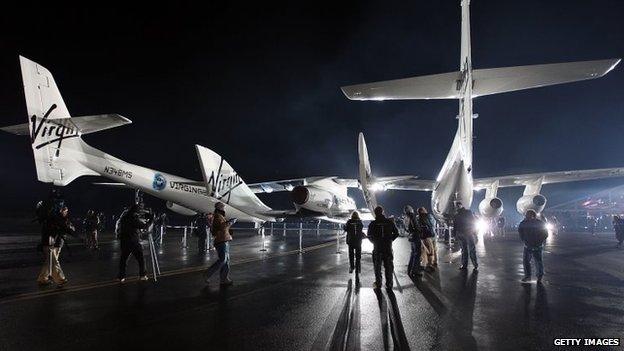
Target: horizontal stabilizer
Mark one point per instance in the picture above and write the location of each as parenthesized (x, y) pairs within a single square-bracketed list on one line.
[(485, 81), (501, 80), (84, 124), (435, 86)]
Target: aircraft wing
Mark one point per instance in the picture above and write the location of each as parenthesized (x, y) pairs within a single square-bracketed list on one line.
[(289, 184), (549, 177), (411, 183)]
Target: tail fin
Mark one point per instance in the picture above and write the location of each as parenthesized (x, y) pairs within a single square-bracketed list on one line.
[(223, 183), (60, 153), (366, 175)]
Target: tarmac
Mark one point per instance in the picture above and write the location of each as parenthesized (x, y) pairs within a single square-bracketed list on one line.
[(286, 300)]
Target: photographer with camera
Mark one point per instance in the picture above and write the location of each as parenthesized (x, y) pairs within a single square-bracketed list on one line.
[(132, 224), (53, 216)]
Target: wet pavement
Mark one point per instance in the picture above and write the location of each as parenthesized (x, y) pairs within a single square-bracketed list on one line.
[(284, 300)]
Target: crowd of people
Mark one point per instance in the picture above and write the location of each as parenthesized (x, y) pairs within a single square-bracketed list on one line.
[(53, 216)]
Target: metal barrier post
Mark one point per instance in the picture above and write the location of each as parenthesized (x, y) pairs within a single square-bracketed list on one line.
[(162, 232), (318, 228), (271, 228), (284, 234), (184, 238), (263, 243), (300, 237), (338, 242)]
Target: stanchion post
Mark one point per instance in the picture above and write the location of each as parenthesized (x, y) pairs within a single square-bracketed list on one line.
[(271, 229), (284, 234), (263, 243), (300, 237), (184, 238), (338, 242)]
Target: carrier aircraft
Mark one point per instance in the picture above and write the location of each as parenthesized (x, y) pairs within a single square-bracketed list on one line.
[(455, 182), (61, 156)]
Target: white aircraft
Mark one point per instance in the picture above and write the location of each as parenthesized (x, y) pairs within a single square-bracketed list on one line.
[(62, 156), (455, 182)]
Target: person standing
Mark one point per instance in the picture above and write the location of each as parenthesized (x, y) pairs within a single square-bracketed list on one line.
[(355, 233), (201, 232), (414, 267), (533, 233), (618, 226), (466, 232), (54, 229), (131, 225), (382, 232), (222, 237), (427, 235), (91, 226)]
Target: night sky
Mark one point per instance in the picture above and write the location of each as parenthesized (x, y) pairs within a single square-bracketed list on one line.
[(259, 84)]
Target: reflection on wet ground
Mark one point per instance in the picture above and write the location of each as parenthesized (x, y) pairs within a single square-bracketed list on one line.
[(289, 301)]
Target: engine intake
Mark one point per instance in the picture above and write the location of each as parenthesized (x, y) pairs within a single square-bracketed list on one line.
[(300, 195), (491, 207), (531, 202)]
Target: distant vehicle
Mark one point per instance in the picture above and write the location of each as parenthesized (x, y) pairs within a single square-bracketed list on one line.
[(455, 182)]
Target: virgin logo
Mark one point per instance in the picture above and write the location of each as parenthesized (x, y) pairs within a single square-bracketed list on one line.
[(49, 132)]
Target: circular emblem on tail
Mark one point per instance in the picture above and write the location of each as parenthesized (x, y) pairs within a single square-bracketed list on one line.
[(159, 182)]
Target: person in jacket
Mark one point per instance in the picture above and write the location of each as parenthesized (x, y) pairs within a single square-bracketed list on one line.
[(427, 236), (201, 232), (221, 238), (465, 230), (533, 233), (414, 267), (132, 224), (91, 226), (382, 232), (54, 229), (618, 226), (355, 233)]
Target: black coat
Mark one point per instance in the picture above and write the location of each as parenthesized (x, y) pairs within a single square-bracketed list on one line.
[(533, 232), (355, 233), (382, 232), (56, 227), (132, 226), (465, 223)]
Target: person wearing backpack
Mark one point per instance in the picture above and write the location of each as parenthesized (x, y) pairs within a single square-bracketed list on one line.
[(414, 267), (533, 233), (382, 232), (354, 228), (427, 235), (201, 229)]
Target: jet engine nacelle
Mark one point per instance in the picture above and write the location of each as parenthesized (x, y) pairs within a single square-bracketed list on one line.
[(491, 207), (312, 198), (531, 202), (180, 209)]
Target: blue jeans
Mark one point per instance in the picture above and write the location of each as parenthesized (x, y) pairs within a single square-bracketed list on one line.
[(467, 243), (536, 253), (414, 262), (222, 263)]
